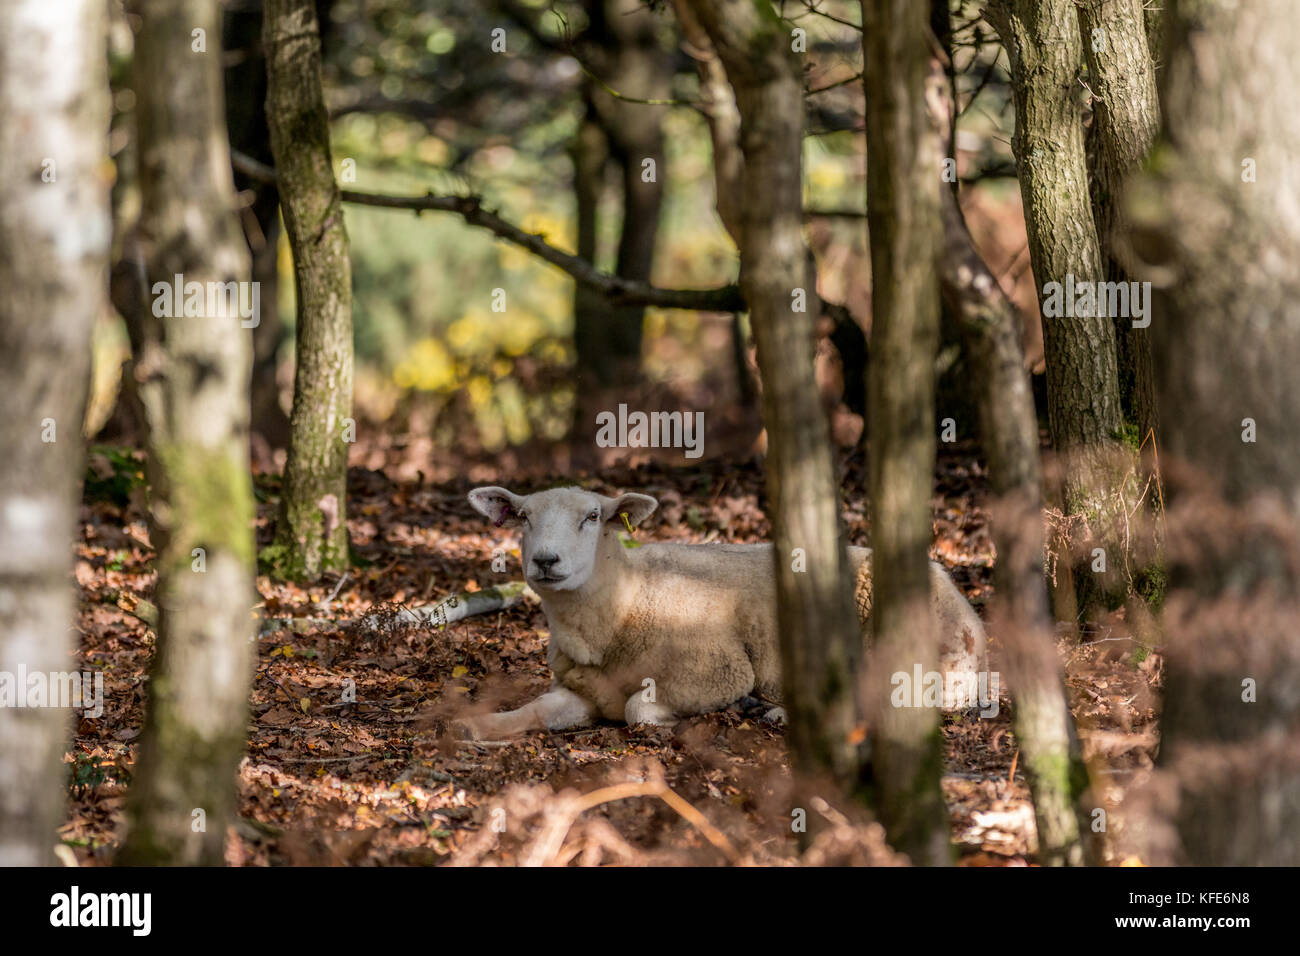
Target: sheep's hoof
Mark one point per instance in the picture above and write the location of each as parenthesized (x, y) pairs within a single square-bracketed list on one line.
[(776, 716)]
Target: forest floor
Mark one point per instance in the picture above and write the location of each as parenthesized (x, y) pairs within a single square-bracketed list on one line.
[(382, 781)]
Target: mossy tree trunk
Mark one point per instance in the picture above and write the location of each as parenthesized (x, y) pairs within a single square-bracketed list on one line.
[(193, 375), (903, 186), (1216, 225), (1126, 117), (1043, 45), (820, 638), (311, 536), (1021, 614), (54, 245)]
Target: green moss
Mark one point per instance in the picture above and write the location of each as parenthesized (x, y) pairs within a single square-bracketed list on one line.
[(1052, 767), (209, 502), (179, 769), (1150, 584), (1129, 434), (273, 559)]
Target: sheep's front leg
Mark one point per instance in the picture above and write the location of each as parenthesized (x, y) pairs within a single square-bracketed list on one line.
[(557, 709), (641, 711)]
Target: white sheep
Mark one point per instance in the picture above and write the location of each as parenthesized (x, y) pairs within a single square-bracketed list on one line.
[(654, 633)]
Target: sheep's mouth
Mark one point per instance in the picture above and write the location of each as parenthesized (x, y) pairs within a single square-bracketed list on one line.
[(548, 578)]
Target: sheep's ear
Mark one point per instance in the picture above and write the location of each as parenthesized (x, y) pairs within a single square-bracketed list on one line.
[(498, 505), (638, 508)]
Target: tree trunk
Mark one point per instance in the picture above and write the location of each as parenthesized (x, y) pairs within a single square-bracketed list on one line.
[(596, 364), (1217, 226), (1042, 42), (903, 223), (1126, 116), (193, 375), (623, 46), (639, 67), (718, 104), (312, 533), (127, 281), (820, 638), (1021, 614), (54, 244), (245, 85), (1009, 434)]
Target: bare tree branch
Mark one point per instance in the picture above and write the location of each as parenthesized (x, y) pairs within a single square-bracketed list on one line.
[(620, 291)]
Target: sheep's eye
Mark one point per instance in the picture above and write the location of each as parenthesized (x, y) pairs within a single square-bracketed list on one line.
[(594, 516), (522, 517)]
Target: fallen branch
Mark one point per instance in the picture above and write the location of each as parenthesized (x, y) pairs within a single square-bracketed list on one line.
[(454, 608), (142, 609), (547, 847)]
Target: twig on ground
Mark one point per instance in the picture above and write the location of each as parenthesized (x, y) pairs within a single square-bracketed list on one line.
[(325, 604)]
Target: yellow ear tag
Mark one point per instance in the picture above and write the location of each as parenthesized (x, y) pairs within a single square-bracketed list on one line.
[(626, 539)]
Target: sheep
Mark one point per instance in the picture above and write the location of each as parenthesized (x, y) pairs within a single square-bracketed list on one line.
[(657, 632)]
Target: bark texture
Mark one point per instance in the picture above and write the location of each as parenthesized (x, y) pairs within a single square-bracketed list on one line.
[(245, 87), (623, 46), (1042, 42), (54, 245), (1223, 244), (820, 639), (312, 534), (590, 152), (903, 202), (192, 375), (1044, 726), (1126, 118), (639, 67)]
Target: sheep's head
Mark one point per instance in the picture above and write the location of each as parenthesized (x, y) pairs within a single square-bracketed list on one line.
[(561, 528)]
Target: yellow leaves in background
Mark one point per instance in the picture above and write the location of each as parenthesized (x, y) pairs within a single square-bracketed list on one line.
[(432, 151), (510, 404), (425, 318), (480, 333), (518, 337), (553, 352), (557, 232), (480, 391), (826, 176), (428, 367)]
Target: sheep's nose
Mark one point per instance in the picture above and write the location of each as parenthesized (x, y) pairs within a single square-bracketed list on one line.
[(545, 560)]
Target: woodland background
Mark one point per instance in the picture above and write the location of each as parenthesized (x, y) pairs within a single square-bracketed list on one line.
[(828, 226)]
